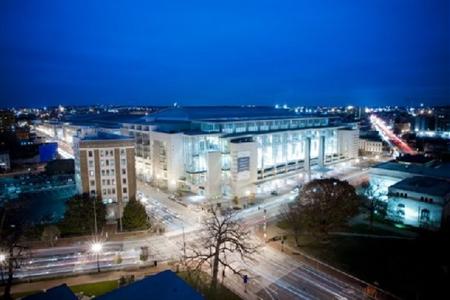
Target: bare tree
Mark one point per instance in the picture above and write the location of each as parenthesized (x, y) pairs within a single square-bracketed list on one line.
[(223, 237), (13, 253)]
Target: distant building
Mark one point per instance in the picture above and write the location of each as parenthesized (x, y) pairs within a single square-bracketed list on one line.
[(371, 145), (388, 173), (402, 127), (7, 121), (5, 163), (420, 201), (416, 189), (104, 167), (235, 151), (60, 166), (48, 151)]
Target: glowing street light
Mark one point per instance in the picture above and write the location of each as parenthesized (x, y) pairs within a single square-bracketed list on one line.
[(2, 258), (96, 248)]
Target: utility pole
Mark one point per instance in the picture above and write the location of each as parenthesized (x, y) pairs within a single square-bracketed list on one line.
[(95, 217), (265, 226), (120, 215), (184, 243)]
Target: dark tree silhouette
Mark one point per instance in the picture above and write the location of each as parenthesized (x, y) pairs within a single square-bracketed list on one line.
[(322, 205), (134, 216), (79, 217), (12, 250)]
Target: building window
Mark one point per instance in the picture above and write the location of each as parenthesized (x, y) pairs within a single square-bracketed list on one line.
[(91, 173), (124, 190), (90, 153), (91, 164), (92, 192), (425, 216), (124, 181), (92, 182), (124, 171)]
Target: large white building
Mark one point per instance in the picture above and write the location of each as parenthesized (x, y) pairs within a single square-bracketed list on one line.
[(416, 189), (234, 151), (420, 201)]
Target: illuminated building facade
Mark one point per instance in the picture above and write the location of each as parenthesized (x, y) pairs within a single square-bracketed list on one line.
[(419, 201), (234, 151), (104, 167)]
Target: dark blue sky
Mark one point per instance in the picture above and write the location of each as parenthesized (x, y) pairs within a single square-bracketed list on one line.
[(226, 52)]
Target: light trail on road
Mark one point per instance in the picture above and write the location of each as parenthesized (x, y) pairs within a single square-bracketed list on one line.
[(274, 275), (384, 130)]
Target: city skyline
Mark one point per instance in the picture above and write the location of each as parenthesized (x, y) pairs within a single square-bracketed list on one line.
[(156, 54)]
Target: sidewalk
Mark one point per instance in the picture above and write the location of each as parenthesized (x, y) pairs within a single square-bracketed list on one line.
[(84, 279)]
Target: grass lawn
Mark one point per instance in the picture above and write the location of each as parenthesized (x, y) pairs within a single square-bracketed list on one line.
[(200, 281), (411, 269), (89, 289), (95, 289)]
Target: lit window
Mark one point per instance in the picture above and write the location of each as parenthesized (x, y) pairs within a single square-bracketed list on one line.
[(91, 173)]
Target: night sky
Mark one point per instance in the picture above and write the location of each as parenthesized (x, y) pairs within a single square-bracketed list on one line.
[(362, 52)]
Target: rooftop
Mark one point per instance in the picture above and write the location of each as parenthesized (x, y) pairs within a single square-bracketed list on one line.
[(222, 113), (415, 159), (424, 184), (437, 170), (56, 293), (105, 120), (165, 285), (105, 136)]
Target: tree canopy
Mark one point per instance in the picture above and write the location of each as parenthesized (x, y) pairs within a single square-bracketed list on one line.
[(322, 205), (79, 216), (134, 216)]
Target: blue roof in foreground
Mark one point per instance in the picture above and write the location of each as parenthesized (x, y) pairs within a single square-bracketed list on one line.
[(105, 136), (60, 292), (221, 113), (162, 286)]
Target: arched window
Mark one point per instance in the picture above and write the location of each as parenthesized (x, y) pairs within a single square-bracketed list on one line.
[(425, 216)]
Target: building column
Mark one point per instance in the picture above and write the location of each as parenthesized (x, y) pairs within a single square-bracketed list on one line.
[(307, 166), (321, 151)]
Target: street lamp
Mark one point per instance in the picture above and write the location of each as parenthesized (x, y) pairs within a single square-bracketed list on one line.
[(96, 248), (2, 258)]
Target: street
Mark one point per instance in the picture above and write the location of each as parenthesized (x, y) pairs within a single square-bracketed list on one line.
[(272, 274)]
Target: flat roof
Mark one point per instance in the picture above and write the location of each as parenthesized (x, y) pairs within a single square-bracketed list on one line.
[(424, 184), (105, 136), (223, 114), (441, 170), (106, 120)]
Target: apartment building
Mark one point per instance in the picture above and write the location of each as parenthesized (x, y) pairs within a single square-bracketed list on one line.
[(105, 167)]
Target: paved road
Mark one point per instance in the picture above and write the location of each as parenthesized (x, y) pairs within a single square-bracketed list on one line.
[(273, 274)]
